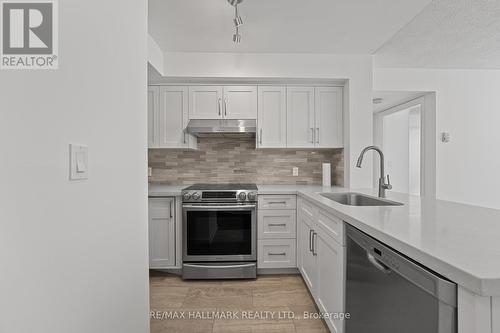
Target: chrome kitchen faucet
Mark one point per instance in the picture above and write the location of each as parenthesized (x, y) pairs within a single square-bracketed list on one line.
[(382, 185)]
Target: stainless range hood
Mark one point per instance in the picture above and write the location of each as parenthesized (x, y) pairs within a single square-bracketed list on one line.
[(206, 126)]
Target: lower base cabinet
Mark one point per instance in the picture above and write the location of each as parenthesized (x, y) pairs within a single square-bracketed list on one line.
[(321, 261), (161, 229), (276, 225), (330, 279)]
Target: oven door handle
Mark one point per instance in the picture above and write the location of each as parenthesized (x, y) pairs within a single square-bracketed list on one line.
[(220, 266), (219, 207)]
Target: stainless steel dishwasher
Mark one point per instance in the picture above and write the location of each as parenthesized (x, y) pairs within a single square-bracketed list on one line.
[(389, 293)]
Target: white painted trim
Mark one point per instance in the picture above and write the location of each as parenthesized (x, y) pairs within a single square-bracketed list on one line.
[(427, 137)]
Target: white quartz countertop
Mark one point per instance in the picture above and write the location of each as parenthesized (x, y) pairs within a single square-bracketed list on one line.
[(160, 190), (460, 242)]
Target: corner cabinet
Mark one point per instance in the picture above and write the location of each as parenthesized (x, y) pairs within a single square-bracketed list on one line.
[(168, 118), (321, 258), (161, 226), (223, 102)]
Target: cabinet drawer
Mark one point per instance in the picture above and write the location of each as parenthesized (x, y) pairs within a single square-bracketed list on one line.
[(276, 223), (276, 253), (277, 201), (332, 225)]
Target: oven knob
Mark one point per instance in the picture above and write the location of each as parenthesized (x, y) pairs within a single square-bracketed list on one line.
[(252, 196), (242, 196), (186, 196), (195, 196)]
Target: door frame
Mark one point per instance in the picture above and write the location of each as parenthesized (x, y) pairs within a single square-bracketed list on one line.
[(427, 104)]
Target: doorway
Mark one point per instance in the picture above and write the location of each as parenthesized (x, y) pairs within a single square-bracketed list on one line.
[(401, 134)]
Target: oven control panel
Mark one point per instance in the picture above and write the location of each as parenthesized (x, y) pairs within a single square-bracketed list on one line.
[(219, 196)]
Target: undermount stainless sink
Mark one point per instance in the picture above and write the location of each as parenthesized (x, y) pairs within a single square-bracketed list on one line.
[(358, 199)]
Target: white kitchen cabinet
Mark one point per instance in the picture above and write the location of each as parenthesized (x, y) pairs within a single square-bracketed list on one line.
[(276, 253), (271, 120), (321, 259), (161, 229), (153, 116), (205, 102), (222, 102), (276, 227), (300, 117), (168, 118), (330, 277), (307, 261), (240, 102), (276, 201), (328, 117), (173, 118), (279, 223), (314, 117)]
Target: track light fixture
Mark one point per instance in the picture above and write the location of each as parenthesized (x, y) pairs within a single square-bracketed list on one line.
[(238, 21)]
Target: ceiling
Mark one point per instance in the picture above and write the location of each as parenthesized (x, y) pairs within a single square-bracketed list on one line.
[(280, 26), (460, 34), (394, 98)]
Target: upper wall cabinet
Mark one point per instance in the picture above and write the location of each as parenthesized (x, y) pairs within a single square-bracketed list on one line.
[(168, 117), (271, 120), (240, 102), (205, 102), (314, 117), (300, 117), (228, 102), (328, 117)]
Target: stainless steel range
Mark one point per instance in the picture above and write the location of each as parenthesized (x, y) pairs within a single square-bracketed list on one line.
[(219, 231)]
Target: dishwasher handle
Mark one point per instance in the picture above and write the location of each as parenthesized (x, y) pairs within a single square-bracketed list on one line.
[(378, 264)]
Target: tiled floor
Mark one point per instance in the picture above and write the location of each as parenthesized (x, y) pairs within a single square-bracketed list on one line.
[(283, 296)]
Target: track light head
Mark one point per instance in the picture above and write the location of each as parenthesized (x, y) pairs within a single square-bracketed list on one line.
[(238, 21), (237, 38)]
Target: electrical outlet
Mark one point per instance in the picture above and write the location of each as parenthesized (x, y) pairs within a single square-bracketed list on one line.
[(295, 171)]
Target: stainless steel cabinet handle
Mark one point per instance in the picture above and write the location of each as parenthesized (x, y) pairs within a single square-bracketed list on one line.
[(312, 135), (260, 136), (276, 254), (184, 137), (317, 134), (277, 202), (277, 224), (225, 106), (311, 232), (220, 112), (314, 244), (171, 209)]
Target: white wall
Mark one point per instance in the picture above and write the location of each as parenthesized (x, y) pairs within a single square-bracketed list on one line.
[(467, 106), (155, 55), (356, 68), (73, 255)]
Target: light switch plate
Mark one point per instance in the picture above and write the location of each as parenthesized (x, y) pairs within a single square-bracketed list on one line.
[(295, 171), (78, 162)]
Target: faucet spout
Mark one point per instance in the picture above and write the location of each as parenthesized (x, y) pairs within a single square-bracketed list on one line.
[(382, 185)]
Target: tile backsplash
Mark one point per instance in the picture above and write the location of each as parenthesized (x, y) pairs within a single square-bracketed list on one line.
[(234, 159)]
